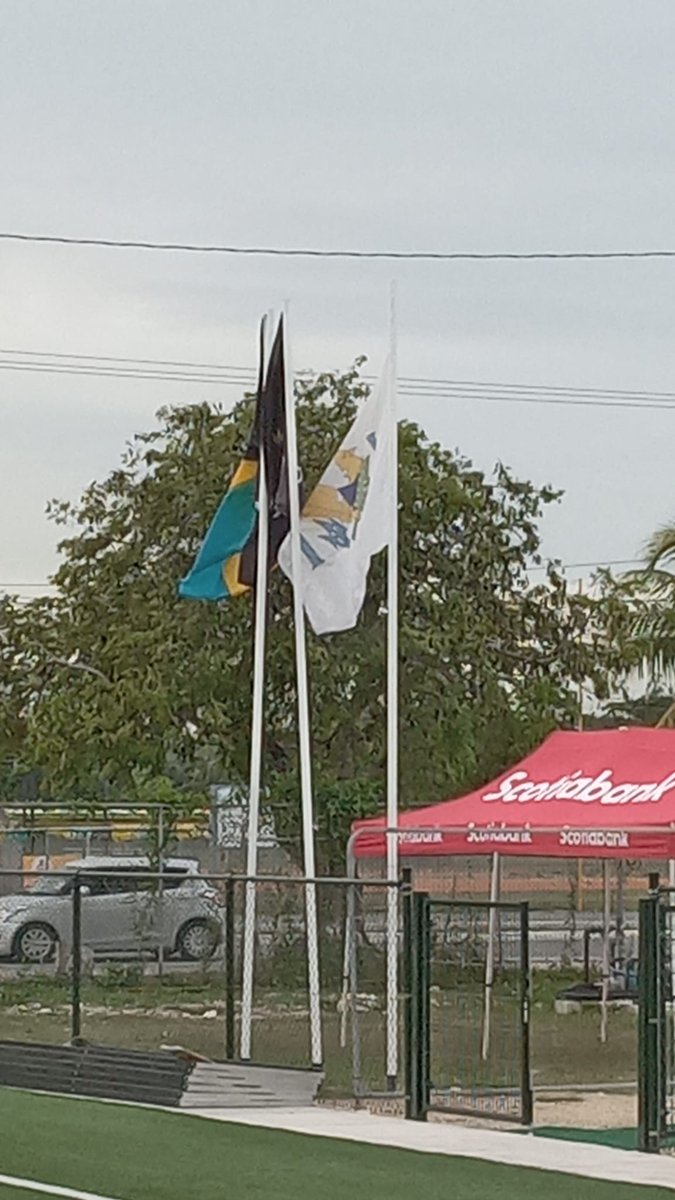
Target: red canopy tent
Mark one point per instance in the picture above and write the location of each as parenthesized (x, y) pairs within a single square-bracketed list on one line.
[(601, 794)]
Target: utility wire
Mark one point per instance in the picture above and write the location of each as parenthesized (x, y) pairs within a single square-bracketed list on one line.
[(570, 566), (413, 387), (587, 566), (305, 252), (118, 373), (115, 358), (249, 373)]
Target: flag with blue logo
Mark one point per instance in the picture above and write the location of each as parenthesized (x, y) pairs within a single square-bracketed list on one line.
[(347, 518), (226, 562)]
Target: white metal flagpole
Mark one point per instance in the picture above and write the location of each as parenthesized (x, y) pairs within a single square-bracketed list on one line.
[(256, 732), (392, 714), (303, 715)]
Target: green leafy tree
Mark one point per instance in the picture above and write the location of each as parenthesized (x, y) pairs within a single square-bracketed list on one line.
[(117, 681)]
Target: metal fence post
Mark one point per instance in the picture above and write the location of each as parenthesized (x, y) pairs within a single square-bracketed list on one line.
[(353, 965), (650, 1083), (414, 1021), (417, 1053), (526, 1100), (160, 890), (425, 985), (406, 907), (230, 989), (76, 961)]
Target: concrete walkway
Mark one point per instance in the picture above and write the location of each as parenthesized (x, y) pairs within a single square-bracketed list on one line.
[(516, 1149)]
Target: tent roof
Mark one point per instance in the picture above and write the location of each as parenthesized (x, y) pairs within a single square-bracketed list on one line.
[(607, 793)]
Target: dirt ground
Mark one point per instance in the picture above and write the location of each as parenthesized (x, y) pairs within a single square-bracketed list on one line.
[(596, 1110)]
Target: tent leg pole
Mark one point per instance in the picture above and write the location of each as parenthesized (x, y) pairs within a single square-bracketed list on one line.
[(619, 951), (671, 901), (605, 948), (490, 958)]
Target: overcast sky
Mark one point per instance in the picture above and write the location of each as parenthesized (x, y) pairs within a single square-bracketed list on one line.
[(482, 125)]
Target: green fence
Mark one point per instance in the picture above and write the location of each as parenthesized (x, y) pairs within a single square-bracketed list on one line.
[(656, 1068), (468, 1018)]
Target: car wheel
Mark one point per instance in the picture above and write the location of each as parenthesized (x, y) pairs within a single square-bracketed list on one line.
[(197, 940), (35, 943)]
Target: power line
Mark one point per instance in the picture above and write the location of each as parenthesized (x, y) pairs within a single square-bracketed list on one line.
[(545, 401), (306, 252), (116, 358), (249, 373), (566, 566), (413, 387), (587, 566), (539, 387), (118, 373)]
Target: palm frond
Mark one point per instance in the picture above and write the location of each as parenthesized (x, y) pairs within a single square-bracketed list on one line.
[(660, 549)]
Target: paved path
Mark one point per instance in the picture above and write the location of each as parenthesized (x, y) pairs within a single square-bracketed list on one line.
[(516, 1149)]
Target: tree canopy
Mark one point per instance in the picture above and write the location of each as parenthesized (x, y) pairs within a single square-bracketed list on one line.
[(116, 688)]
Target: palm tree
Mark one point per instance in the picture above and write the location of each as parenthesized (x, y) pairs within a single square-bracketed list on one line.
[(654, 620)]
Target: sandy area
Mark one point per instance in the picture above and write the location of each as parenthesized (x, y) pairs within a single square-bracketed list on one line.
[(582, 1110), (596, 1110)]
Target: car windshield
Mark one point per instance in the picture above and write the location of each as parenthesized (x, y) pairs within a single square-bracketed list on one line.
[(48, 885)]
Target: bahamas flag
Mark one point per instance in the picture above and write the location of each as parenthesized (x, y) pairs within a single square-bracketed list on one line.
[(226, 563)]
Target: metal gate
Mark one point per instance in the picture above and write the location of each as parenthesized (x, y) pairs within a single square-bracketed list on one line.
[(656, 1066), (469, 1006)]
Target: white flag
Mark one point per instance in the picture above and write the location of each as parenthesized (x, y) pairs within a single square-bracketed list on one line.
[(347, 518)]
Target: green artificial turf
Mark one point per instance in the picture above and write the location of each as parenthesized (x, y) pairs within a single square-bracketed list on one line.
[(12, 1193), (131, 1153), (618, 1139)]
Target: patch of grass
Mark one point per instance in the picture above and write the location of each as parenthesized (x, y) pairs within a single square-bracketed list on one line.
[(144, 1015), (12, 1193), (115, 987), (168, 1157)]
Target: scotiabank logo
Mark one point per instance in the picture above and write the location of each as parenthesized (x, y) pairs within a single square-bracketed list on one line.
[(421, 837), (519, 788), (599, 839), (498, 835)]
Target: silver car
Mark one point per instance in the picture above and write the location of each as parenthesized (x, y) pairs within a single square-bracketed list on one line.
[(122, 911)]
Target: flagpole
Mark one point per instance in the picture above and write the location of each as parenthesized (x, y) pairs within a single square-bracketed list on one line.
[(303, 714), (392, 716), (255, 771)]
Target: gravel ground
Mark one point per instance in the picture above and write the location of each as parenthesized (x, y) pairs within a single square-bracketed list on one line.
[(596, 1110)]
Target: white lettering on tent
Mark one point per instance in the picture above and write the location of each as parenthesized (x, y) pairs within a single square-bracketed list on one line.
[(422, 837), (498, 835), (585, 789), (598, 839)]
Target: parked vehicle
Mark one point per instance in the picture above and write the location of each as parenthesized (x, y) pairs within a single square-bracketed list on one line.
[(123, 911)]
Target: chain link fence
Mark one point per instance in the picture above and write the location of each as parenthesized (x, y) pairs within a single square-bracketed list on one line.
[(471, 1016), (583, 945), (153, 991), (41, 836), (118, 954)]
